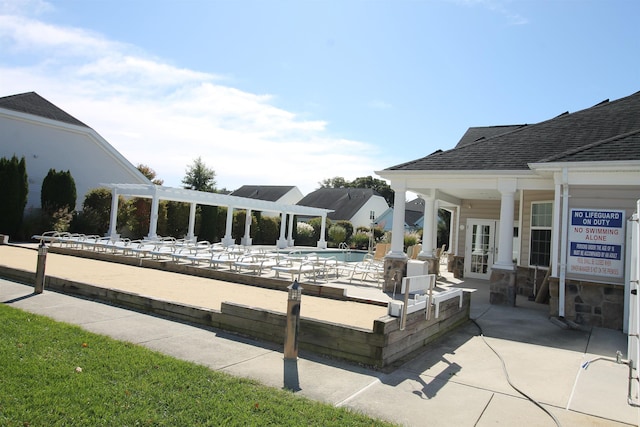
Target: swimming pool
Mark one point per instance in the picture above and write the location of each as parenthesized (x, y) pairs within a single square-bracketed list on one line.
[(345, 255)]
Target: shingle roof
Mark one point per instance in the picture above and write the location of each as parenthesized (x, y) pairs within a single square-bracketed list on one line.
[(620, 147), (345, 202), (32, 103), (604, 126), (271, 193), (478, 133)]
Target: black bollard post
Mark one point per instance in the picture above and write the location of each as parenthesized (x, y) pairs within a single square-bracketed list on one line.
[(291, 380), (42, 262), (293, 321)]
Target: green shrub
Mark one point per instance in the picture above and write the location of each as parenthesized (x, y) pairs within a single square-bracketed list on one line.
[(348, 228), (268, 230), (207, 223), (13, 194), (316, 223), (305, 234), (58, 192), (410, 239), (95, 215), (177, 219), (337, 234), (360, 240)]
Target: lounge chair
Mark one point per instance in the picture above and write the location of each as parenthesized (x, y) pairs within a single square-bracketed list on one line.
[(296, 268)]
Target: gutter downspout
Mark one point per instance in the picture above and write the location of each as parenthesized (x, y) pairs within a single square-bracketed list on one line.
[(563, 243)]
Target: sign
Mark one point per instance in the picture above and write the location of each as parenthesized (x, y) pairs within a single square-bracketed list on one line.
[(596, 242)]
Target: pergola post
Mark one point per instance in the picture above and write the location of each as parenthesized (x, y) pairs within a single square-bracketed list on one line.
[(153, 221), (113, 219), (246, 240), (290, 241), (192, 223), (282, 241), (228, 238), (322, 243)]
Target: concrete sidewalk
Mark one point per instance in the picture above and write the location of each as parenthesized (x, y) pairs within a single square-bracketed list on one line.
[(456, 381)]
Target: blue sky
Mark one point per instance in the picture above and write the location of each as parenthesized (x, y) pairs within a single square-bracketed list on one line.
[(294, 92)]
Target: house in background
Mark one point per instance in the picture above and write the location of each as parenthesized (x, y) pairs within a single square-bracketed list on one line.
[(50, 138), (349, 204), (413, 217), (283, 194), (561, 191)]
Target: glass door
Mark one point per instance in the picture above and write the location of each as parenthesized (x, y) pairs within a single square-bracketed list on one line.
[(480, 248)]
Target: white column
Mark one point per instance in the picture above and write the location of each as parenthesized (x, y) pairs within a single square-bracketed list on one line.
[(192, 223), (246, 240), (282, 241), (291, 225), (564, 242), (153, 221), (322, 243), (555, 231), (113, 219), (505, 243), (228, 238), (428, 229), (397, 230)]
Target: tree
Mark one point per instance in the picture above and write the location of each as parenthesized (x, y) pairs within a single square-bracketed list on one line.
[(13, 194), (199, 177), (378, 185), (95, 215), (335, 182), (150, 174), (58, 192)]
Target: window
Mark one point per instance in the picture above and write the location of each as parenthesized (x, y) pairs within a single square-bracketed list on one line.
[(541, 221)]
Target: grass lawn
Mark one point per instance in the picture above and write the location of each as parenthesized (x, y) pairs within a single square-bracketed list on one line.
[(54, 374)]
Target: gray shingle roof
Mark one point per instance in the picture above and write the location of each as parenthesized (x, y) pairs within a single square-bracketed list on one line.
[(345, 202), (620, 147), (32, 103), (271, 193), (478, 133), (598, 133)]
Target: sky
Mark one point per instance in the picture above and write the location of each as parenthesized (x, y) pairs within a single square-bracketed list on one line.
[(296, 92)]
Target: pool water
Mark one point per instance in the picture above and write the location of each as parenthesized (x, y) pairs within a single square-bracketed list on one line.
[(344, 255)]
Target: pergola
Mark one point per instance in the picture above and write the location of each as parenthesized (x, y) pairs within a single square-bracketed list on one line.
[(194, 198)]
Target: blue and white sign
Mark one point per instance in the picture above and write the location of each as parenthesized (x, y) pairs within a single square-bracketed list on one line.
[(596, 242)]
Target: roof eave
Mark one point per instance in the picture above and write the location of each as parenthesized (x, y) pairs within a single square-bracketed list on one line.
[(613, 165)]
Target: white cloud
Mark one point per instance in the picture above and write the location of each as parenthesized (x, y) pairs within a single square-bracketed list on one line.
[(165, 116)]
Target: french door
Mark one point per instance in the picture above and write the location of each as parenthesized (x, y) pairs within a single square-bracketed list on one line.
[(480, 248)]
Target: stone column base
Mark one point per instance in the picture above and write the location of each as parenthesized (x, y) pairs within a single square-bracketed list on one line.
[(502, 287), (394, 270), (458, 267), (433, 263)]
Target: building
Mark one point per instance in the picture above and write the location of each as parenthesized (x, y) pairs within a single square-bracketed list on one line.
[(552, 197), (50, 138), (413, 216), (356, 205), (284, 194)]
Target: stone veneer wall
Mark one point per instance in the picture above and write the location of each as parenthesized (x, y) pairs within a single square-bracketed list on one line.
[(589, 303), (502, 287), (457, 267), (525, 279)]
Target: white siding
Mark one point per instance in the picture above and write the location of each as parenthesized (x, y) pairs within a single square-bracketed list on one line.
[(47, 144)]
